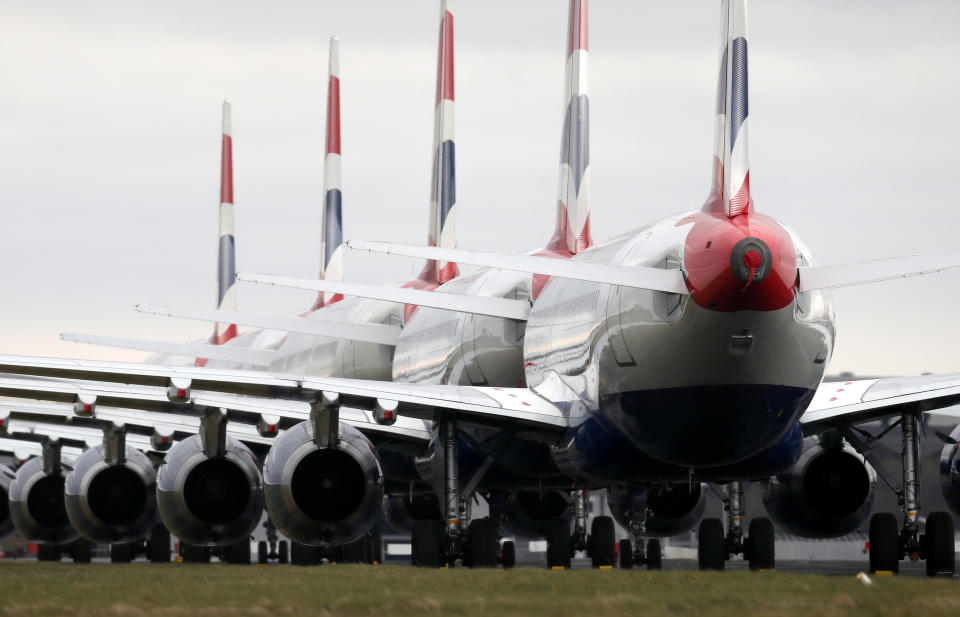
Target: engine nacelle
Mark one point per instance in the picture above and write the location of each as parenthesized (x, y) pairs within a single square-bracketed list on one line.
[(525, 513), (950, 471), (37, 504), (109, 503), (828, 492), (7, 476), (323, 495), (671, 509), (209, 500), (401, 512)]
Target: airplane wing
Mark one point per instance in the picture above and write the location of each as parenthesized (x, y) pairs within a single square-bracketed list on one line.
[(228, 353), (479, 305), (248, 394), (641, 277), (846, 403), (384, 334), (823, 277)]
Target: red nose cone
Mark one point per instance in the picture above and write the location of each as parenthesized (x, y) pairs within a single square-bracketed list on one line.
[(747, 263)]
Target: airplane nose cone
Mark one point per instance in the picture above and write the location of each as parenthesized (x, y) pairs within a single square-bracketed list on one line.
[(751, 261)]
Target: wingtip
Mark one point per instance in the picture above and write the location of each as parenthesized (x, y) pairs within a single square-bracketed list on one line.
[(227, 124)]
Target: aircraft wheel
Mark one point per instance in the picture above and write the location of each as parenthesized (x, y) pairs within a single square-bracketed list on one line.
[(354, 552), (558, 543), (508, 555), (603, 541), (195, 554), (262, 552), (427, 541), (121, 552), (884, 539), (625, 550), (283, 552), (482, 543), (762, 553), (48, 552), (237, 553), (939, 547), (158, 549), (711, 546), (81, 550), (654, 554)]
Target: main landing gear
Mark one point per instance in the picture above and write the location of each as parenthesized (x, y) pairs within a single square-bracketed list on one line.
[(273, 548), (632, 551), (451, 540), (888, 545), (714, 548)]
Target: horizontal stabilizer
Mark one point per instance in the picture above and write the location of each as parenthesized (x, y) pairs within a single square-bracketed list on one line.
[(241, 355), (825, 277), (383, 334), (641, 277), (479, 305)]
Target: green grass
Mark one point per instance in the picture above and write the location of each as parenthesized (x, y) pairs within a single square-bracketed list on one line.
[(31, 588)]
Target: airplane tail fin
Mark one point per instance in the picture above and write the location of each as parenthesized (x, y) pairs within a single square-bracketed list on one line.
[(227, 265), (572, 231), (443, 194), (331, 250), (730, 193)]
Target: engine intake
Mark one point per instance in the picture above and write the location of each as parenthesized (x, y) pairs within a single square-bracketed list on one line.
[(671, 509), (109, 503), (323, 495), (209, 500), (37, 504), (826, 494)]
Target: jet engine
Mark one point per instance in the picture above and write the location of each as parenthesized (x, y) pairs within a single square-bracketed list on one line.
[(950, 471), (7, 476), (827, 493), (210, 494), (525, 513), (37, 502), (671, 509), (112, 501), (323, 494)]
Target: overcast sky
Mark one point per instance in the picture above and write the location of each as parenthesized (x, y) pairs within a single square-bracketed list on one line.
[(110, 137)]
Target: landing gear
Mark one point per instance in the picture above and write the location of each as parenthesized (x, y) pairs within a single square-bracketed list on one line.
[(758, 547), (194, 554), (427, 544), (158, 546), (600, 545), (482, 544), (654, 554), (81, 551), (508, 555), (122, 552), (632, 551), (884, 540), (559, 550), (602, 542), (237, 553), (937, 545)]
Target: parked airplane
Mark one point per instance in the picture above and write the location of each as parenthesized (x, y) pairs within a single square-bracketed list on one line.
[(689, 350)]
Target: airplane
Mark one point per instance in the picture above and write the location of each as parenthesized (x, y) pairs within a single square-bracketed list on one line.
[(689, 350)]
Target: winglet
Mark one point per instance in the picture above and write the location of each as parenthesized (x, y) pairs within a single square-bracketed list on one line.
[(572, 231), (730, 194), (227, 265), (443, 193), (331, 253)]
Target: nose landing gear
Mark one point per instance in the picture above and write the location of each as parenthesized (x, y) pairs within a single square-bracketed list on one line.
[(714, 548)]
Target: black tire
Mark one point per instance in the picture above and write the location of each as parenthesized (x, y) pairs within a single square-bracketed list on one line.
[(939, 547), (558, 543), (603, 539), (121, 553), (237, 553), (508, 555), (884, 543), (283, 552), (483, 543), (427, 544), (158, 548), (762, 548), (303, 555), (48, 552), (654, 554), (263, 553), (355, 552), (711, 545), (82, 551), (625, 550), (195, 554)]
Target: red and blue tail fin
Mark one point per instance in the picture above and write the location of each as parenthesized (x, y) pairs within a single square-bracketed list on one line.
[(572, 231), (331, 250), (730, 193), (226, 259)]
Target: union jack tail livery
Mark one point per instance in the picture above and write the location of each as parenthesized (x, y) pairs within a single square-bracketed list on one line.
[(730, 193), (572, 231), (331, 250), (443, 193), (226, 259)]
